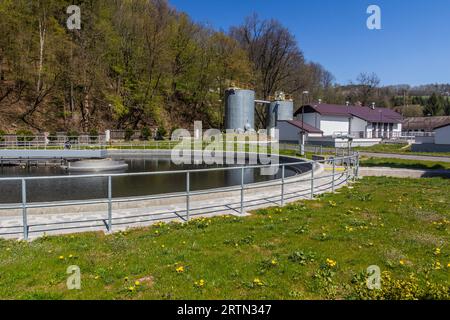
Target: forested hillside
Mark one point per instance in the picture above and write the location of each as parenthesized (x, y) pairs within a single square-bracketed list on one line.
[(140, 63), (133, 63)]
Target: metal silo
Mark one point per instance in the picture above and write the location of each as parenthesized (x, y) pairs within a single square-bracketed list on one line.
[(278, 110), (239, 109)]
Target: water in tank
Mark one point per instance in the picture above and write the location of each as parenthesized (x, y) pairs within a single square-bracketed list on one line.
[(239, 109), (278, 111)]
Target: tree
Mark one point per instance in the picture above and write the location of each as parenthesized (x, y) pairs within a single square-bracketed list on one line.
[(434, 106)]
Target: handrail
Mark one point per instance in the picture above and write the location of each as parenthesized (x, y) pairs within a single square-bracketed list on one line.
[(351, 163)]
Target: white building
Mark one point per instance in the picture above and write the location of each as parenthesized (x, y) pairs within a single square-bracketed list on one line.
[(442, 135), (439, 142), (328, 124)]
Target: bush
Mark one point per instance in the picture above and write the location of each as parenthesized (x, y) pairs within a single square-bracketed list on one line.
[(93, 134), (146, 133), (24, 135), (161, 133), (2, 133), (129, 133), (410, 288), (72, 135), (52, 136)]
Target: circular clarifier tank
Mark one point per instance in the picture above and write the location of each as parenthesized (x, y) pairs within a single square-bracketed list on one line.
[(97, 165)]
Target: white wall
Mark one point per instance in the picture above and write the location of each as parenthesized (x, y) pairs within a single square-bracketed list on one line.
[(358, 125), (288, 132), (443, 135), (313, 119), (333, 124)]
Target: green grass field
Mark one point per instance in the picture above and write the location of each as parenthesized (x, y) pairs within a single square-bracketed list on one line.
[(399, 149), (404, 163), (308, 250)]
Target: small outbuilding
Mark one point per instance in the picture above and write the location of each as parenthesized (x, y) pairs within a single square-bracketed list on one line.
[(442, 135)]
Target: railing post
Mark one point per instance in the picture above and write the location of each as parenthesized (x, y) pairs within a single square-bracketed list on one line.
[(312, 180), (348, 165), (109, 204), (242, 190), (333, 183), (357, 166), (283, 168), (188, 196), (24, 209)]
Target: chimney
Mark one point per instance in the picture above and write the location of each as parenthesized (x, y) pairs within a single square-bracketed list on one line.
[(320, 101), (373, 105)]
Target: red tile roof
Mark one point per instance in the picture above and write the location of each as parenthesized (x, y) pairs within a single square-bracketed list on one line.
[(368, 114)]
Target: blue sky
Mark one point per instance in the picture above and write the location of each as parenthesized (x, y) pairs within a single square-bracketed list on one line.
[(413, 46)]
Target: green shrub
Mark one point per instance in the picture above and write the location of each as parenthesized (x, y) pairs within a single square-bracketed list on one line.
[(161, 133), (93, 134), (410, 288), (73, 135), (146, 133), (2, 133), (129, 133), (24, 135)]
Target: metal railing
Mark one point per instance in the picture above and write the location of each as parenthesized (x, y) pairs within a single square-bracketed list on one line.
[(350, 165)]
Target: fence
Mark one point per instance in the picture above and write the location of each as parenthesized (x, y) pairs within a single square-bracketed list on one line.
[(350, 165)]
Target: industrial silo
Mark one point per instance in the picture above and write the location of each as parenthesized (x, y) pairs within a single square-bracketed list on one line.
[(282, 108), (239, 109)]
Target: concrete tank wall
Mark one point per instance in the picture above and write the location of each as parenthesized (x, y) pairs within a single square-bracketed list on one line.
[(279, 111), (239, 109)]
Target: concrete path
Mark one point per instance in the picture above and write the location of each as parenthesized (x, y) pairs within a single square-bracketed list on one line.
[(404, 156), (205, 205)]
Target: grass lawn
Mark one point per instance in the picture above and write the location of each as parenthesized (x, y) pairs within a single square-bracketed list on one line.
[(403, 163), (308, 250), (399, 149)]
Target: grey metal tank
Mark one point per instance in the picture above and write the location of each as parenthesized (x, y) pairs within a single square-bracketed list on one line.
[(239, 109), (278, 111)]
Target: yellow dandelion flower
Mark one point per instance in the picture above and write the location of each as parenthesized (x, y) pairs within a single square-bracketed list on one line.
[(331, 263), (137, 283), (131, 289), (180, 269), (258, 282), (274, 262), (402, 262), (61, 257)]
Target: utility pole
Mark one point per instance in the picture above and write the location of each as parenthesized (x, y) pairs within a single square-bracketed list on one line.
[(303, 132)]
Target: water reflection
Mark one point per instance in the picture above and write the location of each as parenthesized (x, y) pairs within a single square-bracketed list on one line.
[(96, 188)]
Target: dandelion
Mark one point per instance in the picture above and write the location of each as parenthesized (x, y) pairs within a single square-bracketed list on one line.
[(96, 277), (258, 282), (331, 263), (448, 265), (180, 269), (163, 246), (70, 256), (437, 251), (61, 257), (200, 284), (131, 289), (402, 262), (437, 265), (137, 283), (274, 262)]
